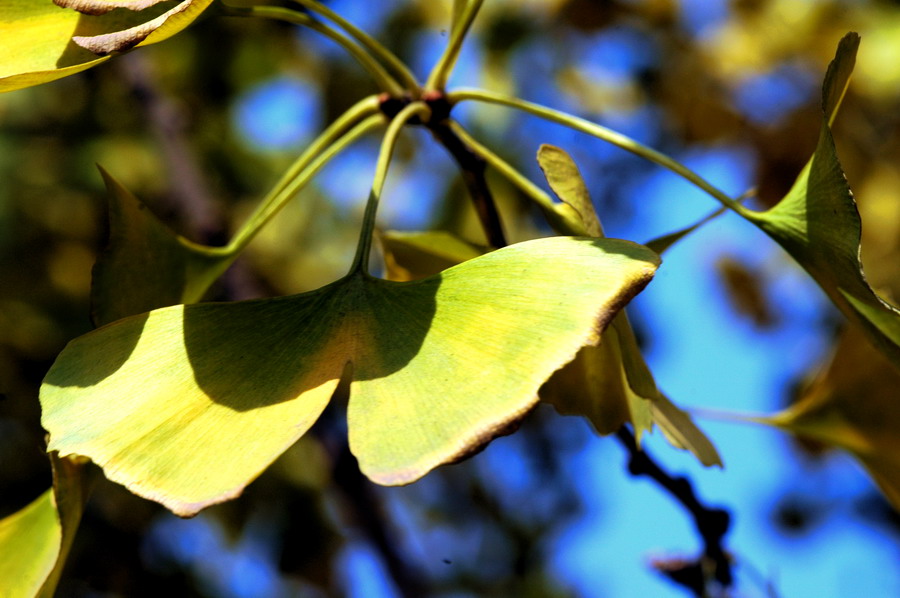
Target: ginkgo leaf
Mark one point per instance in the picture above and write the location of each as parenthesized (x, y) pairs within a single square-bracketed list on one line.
[(35, 540), (145, 265), (853, 404), (188, 404), (610, 384), (36, 36), (566, 182), (818, 224), (29, 542)]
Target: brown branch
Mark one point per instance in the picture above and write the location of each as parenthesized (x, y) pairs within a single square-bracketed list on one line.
[(711, 523), (471, 165), (473, 168)]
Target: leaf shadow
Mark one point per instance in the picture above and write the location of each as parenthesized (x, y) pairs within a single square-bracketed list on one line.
[(250, 355)]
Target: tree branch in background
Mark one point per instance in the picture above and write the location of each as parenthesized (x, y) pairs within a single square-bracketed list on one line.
[(712, 524), (190, 195), (367, 513)]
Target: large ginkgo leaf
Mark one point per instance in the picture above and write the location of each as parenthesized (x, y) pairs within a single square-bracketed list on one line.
[(610, 384), (40, 41), (818, 224), (187, 404), (35, 540), (145, 265)]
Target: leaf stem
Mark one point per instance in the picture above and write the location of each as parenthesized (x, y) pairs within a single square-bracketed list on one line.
[(356, 121), (361, 259), (384, 80), (608, 135), (437, 79), (369, 43), (458, 7)]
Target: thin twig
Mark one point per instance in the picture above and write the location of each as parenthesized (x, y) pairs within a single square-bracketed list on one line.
[(711, 523)]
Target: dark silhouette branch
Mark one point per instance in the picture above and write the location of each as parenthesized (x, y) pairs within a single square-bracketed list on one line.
[(711, 523), (473, 169), (368, 514)]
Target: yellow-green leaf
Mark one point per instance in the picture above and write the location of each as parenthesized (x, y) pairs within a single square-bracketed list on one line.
[(36, 36), (35, 541), (818, 224), (610, 384), (145, 265), (188, 404), (29, 542), (565, 179)]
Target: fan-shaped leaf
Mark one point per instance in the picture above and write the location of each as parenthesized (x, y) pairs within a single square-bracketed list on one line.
[(818, 224), (564, 178), (187, 404), (99, 7), (41, 42)]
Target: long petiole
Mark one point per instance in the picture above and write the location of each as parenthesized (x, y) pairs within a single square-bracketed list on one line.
[(382, 78), (437, 79), (310, 171), (332, 140), (368, 42), (361, 259), (608, 135), (553, 209), (459, 7)]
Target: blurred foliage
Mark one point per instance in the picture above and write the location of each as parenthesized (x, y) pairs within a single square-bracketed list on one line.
[(696, 76)]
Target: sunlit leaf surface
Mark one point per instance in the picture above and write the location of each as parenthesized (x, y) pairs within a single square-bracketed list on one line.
[(29, 543), (818, 224), (188, 404), (35, 540), (40, 41)]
